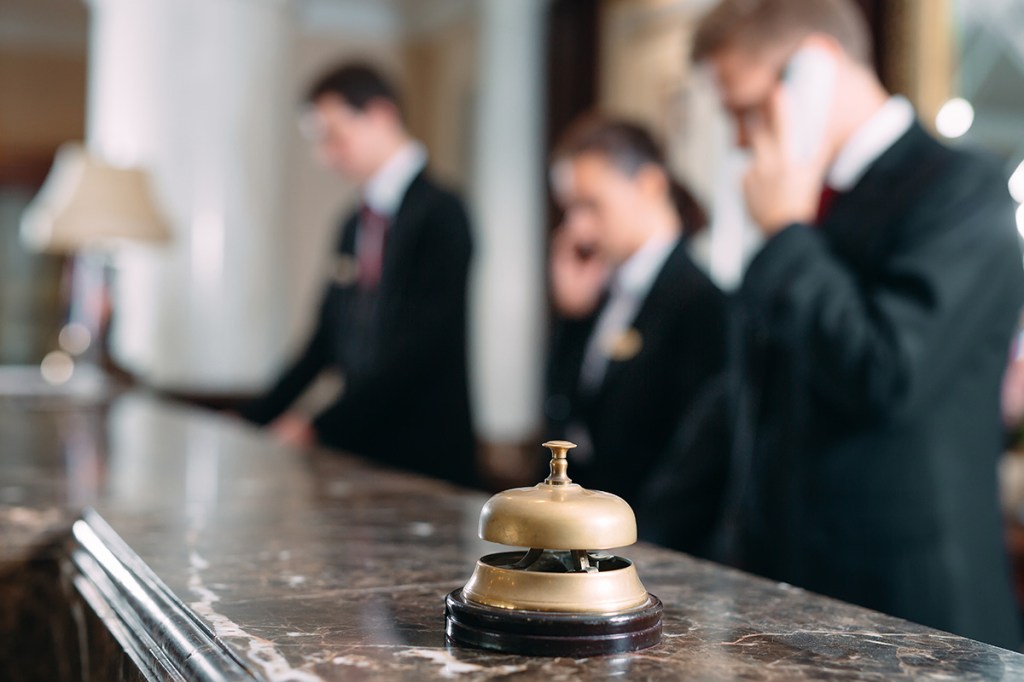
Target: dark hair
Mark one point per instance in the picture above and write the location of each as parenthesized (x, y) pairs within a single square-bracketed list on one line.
[(358, 84), (755, 24), (629, 147)]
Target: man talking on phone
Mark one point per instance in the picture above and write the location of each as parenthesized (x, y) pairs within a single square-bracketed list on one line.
[(876, 321)]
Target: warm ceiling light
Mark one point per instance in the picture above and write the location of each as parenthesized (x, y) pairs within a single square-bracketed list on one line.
[(955, 118), (1017, 184)]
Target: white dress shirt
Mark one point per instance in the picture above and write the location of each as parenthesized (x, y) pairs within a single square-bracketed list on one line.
[(869, 142), (630, 285), (383, 195), (383, 192)]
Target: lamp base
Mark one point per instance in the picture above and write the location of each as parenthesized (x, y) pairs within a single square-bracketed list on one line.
[(551, 633)]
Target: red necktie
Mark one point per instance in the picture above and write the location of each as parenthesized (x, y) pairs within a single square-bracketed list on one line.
[(373, 228), (828, 197)]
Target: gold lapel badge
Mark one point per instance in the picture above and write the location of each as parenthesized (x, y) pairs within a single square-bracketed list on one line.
[(625, 346)]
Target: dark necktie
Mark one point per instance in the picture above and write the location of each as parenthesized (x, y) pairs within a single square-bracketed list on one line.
[(373, 228), (828, 197)]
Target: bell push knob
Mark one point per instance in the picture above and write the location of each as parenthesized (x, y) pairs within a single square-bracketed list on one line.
[(559, 462)]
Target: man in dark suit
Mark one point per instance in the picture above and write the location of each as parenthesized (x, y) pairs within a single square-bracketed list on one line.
[(640, 344), (392, 319), (877, 320)]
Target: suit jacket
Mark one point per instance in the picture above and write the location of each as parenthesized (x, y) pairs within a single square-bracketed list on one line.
[(874, 350), (401, 347), (638, 418)]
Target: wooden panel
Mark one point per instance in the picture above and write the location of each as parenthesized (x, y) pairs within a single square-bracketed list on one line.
[(440, 76), (572, 70), (43, 102)]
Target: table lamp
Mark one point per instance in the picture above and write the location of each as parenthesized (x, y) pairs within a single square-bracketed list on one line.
[(85, 207)]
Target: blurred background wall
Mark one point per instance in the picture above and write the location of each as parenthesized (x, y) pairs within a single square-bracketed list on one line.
[(43, 56), (206, 94)]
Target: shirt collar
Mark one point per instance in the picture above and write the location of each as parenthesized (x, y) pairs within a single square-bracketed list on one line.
[(384, 191), (869, 142), (637, 274)]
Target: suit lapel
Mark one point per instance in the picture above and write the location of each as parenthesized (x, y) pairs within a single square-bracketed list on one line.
[(345, 268), (401, 232), (671, 277), (859, 223), (403, 228), (347, 237)]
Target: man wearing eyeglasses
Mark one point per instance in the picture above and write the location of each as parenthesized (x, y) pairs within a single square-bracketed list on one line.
[(876, 324), (392, 319)]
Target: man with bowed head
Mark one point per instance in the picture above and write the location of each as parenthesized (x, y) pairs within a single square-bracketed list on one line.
[(392, 318), (876, 324)]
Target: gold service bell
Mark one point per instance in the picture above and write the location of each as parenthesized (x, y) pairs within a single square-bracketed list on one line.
[(564, 596)]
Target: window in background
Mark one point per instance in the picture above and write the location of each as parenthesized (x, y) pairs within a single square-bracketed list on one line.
[(990, 74)]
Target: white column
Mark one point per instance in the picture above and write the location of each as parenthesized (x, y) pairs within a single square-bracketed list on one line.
[(197, 91), (507, 196)]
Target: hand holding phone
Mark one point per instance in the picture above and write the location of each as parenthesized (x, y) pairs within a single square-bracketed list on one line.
[(788, 140), (578, 274)]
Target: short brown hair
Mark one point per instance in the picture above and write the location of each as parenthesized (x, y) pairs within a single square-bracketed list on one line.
[(357, 84), (628, 147), (755, 24)]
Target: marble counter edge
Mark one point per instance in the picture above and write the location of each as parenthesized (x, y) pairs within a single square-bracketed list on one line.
[(163, 637)]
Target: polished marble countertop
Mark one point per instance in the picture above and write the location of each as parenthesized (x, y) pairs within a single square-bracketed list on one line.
[(235, 558)]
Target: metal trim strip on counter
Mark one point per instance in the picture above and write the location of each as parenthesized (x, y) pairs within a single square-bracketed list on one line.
[(160, 634)]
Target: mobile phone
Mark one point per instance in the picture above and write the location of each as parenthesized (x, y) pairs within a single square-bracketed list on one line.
[(809, 81)]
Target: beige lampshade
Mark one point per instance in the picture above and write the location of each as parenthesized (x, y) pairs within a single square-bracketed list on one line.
[(85, 202)]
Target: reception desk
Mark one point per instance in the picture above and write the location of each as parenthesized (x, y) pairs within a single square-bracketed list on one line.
[(144, 540)]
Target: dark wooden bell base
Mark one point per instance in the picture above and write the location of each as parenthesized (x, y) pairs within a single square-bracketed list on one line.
[(542, 633)]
